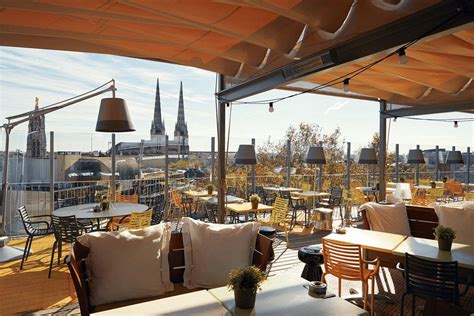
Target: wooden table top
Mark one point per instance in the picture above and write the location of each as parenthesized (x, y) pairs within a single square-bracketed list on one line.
[(286, 295), (369, 239), (309, 194), (428, 249), (194, 303), (246, 207), (202, 193)]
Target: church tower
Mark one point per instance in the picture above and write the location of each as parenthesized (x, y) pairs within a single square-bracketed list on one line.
[(181, 128), (36, 139), (157, 131)]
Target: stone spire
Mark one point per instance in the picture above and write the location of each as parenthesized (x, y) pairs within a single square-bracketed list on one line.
[(157, 125), (36, 139), (181, 128)]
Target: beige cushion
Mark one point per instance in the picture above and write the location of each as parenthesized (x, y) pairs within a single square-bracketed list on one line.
[(460, 217), (211, 251), (128, 264), (387, 218)]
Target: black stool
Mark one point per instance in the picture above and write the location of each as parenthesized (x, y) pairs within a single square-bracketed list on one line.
[(269, 232), (313, 257)]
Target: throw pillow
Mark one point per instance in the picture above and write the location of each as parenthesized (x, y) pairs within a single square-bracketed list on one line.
[(387, 218)]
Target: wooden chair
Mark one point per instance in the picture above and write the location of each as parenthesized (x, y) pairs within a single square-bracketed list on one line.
[(345, 261), (455, 190), (278, 218)]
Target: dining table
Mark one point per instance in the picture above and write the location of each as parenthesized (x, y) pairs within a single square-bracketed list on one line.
[(278, 189), (246, 209), (198, 194)]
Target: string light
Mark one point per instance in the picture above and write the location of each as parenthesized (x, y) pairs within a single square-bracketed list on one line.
[(402, 56), (455, 124), (346, 85), (394, 118), (270, 107)]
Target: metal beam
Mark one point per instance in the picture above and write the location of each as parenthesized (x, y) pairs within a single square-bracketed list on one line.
[(434, 109), (382, 151), (397, 161), (386, 37), (288, 162), (252, 172), (221, 157), (213, 154), (112, 154), (51, 171), (436, 177), (417, 170), (348, 166), (468, 164)]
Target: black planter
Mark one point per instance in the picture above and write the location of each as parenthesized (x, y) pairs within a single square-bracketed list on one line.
[(244, 298), (445, 244)]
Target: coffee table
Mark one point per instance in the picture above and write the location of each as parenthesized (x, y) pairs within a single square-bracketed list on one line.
[(286, 295)]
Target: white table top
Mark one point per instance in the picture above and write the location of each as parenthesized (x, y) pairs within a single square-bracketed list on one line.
[(309, 194), (194, 303), (368, 239), (282, 189), (428, 249), (228, 199), (84, 211), (196, 194), (285, 295)]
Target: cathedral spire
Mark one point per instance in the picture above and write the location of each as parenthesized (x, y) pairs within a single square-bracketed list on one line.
[(157, 125), (181, 128)]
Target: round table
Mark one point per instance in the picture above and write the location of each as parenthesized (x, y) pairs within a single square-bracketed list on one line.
[(85, 211)]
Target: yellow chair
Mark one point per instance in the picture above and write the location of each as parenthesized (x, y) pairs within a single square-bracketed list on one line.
[(469, 196), (278, 217), (136, 220), (345, 261), (438, 193), (176, 211), (306, 187), (123, 198)]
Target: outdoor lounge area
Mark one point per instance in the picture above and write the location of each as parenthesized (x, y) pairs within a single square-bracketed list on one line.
[(322, 166)]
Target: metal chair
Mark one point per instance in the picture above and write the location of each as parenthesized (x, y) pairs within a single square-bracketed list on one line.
[(429, 279), (33, 230), (345, 261), (66, 229), (334, 199), (295, 204)]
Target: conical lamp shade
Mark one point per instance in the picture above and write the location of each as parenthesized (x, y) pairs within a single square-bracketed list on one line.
[(415, 156), (246, 155), (315, 155), (113, 116), (454, 157), (367, 156)]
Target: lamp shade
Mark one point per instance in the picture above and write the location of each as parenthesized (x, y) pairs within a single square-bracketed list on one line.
[(315, 155), (114, 116), (246, 155), (415, 156), (368, 156), (454, 157)]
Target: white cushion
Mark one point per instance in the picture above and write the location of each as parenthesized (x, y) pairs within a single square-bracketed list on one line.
[(128, 264), (402, 191), (460, 217), (211, 251), (387, 218)]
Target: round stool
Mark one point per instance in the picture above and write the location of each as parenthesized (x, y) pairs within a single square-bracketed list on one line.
[(313, 257), (269, 232)]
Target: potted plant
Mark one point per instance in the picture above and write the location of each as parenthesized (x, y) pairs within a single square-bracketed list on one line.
[(445, 237), (433, 184), (104, 204), (254, 199), (210, 189), (245, 282)]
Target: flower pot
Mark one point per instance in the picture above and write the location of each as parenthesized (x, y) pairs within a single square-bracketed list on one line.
[(445, 244), (244, 298), (254, 204), (209, 192)]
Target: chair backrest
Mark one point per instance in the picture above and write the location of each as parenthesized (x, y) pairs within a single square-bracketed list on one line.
[(211, 215), (306, 187), (25, 218), (426, 278), (140, 219), (336, 196), (469, 196), (357, 197), (65, 228), (342, 260), (231, 191), (285, 194), (124, 198), (280, 209)]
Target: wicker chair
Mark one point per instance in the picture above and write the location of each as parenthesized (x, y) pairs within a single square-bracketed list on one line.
[(345, 261), (33, 229)]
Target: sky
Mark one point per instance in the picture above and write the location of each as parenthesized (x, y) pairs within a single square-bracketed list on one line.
[(56, 75)]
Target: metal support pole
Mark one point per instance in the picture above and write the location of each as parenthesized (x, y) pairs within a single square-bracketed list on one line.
[(140, 166), (221, 158), (468, 165), (348, 166), (320, 175), (436, 175), (51, 171), (397, 161), (165, 198), (453, 167), (213, 153), (288, 162), (417, 170), (112, 153), (184, 149), (5, 183), (252, 172), (382, 150)]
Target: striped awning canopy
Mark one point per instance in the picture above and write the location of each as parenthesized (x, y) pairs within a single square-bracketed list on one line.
[(244, 39)]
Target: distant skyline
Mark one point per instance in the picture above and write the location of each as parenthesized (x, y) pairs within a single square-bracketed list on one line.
[(55, 75)]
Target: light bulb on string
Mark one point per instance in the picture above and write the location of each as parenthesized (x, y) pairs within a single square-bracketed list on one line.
[(270, 107), (455, 124), (394, 118), (402, 56), (346, 85)]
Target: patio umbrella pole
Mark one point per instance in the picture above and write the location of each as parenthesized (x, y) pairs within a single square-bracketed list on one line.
[(221, 156), (252, 172), (51, 171)]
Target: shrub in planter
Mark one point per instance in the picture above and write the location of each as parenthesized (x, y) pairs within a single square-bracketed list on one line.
[(245, 282), (445, 237)]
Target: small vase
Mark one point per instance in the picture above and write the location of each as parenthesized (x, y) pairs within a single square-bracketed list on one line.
[(209, 192), (445, 244), (254, 204), (244, 298)]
